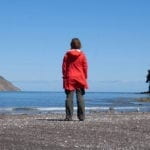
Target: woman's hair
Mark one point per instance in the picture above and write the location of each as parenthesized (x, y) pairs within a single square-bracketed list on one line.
[(75, 43)]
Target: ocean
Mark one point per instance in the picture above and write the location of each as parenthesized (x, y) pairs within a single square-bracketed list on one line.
[(54, 102)]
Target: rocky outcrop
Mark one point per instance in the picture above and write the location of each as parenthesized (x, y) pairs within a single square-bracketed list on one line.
[(145, 92), (6, 85)]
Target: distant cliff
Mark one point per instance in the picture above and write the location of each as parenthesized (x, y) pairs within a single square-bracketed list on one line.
[(6, 85)]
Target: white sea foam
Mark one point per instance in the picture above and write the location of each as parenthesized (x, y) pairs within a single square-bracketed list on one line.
[(6, 109), (75, 108), (46, 109)]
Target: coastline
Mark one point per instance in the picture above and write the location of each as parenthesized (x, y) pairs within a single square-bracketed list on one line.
[(100, 130), (61, 110)]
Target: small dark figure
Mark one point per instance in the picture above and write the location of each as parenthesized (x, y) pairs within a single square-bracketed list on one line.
[(148, 80)]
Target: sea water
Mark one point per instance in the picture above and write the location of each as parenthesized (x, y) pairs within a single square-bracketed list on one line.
[(45, 102)]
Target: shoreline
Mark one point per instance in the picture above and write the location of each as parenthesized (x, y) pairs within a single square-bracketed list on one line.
[(98, 109), (99, 131), (107, 110)]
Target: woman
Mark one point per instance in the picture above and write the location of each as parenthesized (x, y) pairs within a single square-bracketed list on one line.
[(74, 69)]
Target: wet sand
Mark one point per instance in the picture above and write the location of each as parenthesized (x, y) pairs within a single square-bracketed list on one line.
[(107, 131)]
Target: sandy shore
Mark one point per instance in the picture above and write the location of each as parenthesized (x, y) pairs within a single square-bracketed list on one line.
[(122, 131)]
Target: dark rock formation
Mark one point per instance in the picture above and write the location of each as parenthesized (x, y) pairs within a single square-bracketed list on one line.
[(144, 92), (7, 86)]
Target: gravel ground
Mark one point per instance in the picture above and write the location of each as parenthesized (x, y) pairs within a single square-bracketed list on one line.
[(106, 131)]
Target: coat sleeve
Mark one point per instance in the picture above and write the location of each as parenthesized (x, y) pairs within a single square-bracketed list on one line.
[(85, 66), (64, 66)]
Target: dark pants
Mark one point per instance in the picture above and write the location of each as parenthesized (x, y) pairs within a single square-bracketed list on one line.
[(80, 104)]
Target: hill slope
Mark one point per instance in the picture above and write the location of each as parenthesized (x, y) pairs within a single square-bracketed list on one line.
[(6, 85)]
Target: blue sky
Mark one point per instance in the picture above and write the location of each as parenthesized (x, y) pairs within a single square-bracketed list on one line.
[(34, 35)]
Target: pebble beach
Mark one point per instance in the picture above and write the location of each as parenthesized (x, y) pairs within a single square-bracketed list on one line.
[(100, 130)]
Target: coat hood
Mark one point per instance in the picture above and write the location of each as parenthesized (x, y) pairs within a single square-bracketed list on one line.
[(74, 53)]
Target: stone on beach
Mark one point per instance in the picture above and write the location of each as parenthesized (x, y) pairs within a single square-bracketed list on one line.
[(98, 131)]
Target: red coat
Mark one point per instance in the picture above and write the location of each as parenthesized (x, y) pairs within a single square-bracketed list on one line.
[(74, 70)]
